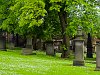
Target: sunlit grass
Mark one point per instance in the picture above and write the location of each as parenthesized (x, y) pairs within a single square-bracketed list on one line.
[(13, 63)]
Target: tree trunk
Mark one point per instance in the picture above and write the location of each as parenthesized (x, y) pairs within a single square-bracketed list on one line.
[(63, 21), (89, 47)]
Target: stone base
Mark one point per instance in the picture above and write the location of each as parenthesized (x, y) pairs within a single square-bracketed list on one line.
[(51, 54), (97, 69), (29, 46), (11, 46), (3, 50), (78, 63), (26, 51)]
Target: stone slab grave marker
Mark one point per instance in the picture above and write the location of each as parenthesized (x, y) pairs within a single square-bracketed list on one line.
[(2, 42), (11, 41), (57, 45), (79, 49), (97, 56), (28, 50), (50, 48), (79, 53)]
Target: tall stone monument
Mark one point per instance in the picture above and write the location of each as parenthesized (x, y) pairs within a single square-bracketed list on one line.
[(79, 49), (97, 56)]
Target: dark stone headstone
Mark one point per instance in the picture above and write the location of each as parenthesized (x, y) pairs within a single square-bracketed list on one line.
[(2, 43)]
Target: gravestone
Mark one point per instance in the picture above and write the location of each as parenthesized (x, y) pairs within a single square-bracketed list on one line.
[(11, 46), (50, 48), (2, 43), (39, 44), (28, 50), (57, 45), (98, 56), (79, 49), (79, 53), (11, 42)]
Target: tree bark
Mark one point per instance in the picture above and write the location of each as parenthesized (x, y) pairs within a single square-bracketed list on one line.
[(63, 21)]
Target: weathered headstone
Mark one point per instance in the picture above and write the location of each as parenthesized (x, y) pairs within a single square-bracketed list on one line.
[(49, 48), (2, 43), (79, 49), (29, 43), (57, 45), (94, 45), (11, 46), (98, 56), (11, 42), (28, 50), (79, 53), (39, 44)]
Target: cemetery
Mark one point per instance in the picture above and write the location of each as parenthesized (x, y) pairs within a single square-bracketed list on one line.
[(37, 62), (49, 37)]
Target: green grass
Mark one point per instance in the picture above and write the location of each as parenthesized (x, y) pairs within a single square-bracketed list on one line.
[(13, 63)]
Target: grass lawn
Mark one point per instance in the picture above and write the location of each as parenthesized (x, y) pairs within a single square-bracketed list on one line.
[(13, 63)]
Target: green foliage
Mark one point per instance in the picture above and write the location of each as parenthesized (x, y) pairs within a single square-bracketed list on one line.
[(30, 16), (4, 12), (79, 12), (22, 16), (51, 26), (32, 13), (64, 47)]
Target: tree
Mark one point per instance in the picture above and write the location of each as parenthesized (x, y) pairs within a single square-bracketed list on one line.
[(24, 17), (27, 17), (73, 14)]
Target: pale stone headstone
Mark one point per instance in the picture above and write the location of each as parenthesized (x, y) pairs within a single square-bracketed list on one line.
[(50, 48), (79, 49), (28, 50), (79, 53), (57, 46), (94, 45), (29, 43), (11, 45), (98, 56)]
